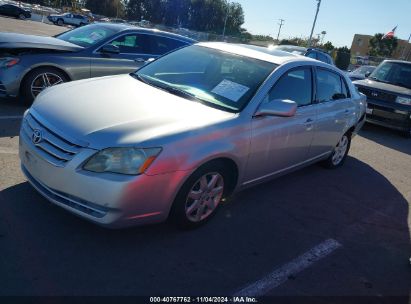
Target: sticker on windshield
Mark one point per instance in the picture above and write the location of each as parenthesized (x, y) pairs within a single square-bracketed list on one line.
[(230, 90)]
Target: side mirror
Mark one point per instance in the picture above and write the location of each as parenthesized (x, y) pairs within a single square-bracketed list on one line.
[(277, 107), (349, 71), (367, 74), (110, 49)]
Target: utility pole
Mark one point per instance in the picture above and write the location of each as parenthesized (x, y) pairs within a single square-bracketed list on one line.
[(315, 21), (279, 30)]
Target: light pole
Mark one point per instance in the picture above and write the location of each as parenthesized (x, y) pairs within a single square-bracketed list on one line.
[(226, 18), (323, 33), (315, 21), (279, 30)]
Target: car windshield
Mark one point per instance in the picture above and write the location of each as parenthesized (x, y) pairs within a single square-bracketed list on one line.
[(87, 36), (213, 77), (395, 73), (363, 70)]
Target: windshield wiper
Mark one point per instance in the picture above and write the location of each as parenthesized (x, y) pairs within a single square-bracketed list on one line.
[(379, 80), (401, 84)]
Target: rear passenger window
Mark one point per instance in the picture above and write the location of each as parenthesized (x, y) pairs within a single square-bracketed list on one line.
[(329, 86), (295, 85), (162, 45)]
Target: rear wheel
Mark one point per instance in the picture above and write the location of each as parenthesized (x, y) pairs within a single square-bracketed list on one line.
[(60, 22), (38, 80), (200, 196), (339, 155), (22, 17)]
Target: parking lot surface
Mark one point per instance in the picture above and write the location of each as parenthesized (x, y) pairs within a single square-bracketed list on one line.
[(316, 232)]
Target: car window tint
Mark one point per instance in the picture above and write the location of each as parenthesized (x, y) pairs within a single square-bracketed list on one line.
[(162, 45), (345, 89), (132, 43), (311, 55), (323, 58), (295, 85), (329, 86)]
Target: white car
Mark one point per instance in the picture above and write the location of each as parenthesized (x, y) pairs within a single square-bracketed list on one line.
[(69, 19)]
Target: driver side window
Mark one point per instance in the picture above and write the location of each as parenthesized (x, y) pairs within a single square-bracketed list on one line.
[(295, 85)]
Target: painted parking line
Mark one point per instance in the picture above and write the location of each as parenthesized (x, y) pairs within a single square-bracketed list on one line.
[(11, 117), (281, 275)]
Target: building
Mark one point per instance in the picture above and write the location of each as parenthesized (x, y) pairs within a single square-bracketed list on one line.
[(361, 44)]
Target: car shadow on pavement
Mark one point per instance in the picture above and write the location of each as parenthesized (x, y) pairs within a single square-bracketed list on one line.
[(47, 251), (387, 137)]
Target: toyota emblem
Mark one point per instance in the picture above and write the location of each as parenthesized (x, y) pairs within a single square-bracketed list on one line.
[(37, 137)]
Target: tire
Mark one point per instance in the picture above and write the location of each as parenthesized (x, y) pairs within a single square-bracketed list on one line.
[(60, 22), (406, 134), (22, 17), (339, 154), (206, 206), (33, 83)]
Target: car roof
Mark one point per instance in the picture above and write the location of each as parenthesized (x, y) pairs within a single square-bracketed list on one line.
[(120, 27), (260, 53), (397, 61)]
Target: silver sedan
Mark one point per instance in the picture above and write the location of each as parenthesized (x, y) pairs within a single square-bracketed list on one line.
[(177, 137)]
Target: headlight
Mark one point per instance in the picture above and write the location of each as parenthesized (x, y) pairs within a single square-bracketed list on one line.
[(8, 62), (130, 161), (404, 100)]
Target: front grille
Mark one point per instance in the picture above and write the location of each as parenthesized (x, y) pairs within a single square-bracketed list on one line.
[(2, 88), (377, 95), (51, 146), (66, 199)]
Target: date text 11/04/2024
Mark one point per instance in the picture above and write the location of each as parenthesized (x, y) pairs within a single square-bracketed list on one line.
[(203, 300)]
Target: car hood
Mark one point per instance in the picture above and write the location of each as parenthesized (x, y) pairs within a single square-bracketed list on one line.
[(120, 111), (383, 86), (22, 41)]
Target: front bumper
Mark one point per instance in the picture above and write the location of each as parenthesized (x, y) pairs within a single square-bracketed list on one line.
[(390, 115), (110, 200), (10, 79)]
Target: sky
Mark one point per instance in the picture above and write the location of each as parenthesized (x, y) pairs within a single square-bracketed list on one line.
[(341, 19)]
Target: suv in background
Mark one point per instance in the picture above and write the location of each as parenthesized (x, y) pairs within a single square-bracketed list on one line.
[(388, 91), (69, 19)]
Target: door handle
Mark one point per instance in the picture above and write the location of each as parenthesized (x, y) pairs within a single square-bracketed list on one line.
[(309, 121), (309, 124)]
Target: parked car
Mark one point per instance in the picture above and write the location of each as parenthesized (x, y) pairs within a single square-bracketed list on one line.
[(361, 72), (14, 11), (307, 52), (29, 63), (69, 19), (184, 132), (388, 91)]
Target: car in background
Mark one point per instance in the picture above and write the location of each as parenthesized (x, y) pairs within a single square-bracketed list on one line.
[(184, 132), (361, 72), (69, 19), (29, 64), (14, 11), (388, 91), (307, 52)]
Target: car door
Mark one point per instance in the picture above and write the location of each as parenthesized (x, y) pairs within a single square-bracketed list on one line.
[(6, 10), (334, 110), (280, 143)]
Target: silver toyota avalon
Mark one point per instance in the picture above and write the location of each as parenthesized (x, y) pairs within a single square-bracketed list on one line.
[(181, 134)]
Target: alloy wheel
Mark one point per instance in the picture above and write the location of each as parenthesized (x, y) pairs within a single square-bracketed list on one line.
[(204, 197), (43, 81), (340, 151)]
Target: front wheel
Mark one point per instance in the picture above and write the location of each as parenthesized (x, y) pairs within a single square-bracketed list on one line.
[(339, 155), (200, 196), (38, 80), (22, 17), (60, 22)]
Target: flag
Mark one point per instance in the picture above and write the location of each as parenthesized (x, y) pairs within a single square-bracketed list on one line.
[(391, 34)]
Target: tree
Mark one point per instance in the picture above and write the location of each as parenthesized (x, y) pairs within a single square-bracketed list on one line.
[(109, 8), (328, 46), (380, 47), (343, 57)]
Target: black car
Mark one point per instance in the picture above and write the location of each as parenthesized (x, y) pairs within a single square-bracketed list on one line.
[(14, 11), (388, 91)]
